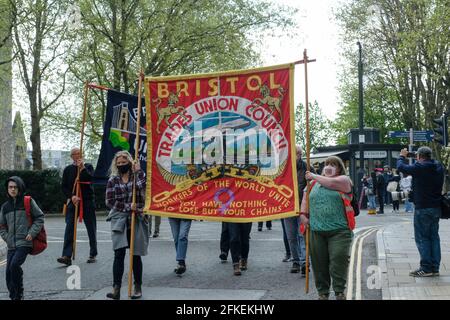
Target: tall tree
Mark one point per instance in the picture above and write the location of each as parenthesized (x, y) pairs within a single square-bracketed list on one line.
[(41, 43), (406, 50)]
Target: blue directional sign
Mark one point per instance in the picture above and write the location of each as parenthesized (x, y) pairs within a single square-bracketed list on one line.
[(398, 134), (425, 135)]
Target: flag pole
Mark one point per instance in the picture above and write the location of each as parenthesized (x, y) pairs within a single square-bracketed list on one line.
[(136, 159), (77, 184), (308, 167)]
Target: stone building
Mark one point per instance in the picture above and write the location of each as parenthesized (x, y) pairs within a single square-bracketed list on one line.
[(19, 142), (6, 141)]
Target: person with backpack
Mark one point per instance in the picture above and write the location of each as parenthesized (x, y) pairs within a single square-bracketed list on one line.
[(16, 231), (393, 188), (331, 220)]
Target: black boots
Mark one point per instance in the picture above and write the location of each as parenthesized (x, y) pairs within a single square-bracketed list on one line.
[(137, 292), (115, 294), (181, 268)]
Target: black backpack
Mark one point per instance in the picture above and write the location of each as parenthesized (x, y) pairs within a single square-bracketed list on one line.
[(445, 206), (354, 202)]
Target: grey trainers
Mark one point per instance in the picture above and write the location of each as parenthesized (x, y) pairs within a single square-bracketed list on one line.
[(295, 267), (323, 296), (419, 273), (340, 296)]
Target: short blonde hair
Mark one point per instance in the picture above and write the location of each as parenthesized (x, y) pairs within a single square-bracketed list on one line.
[(336, 162), (114, 172)]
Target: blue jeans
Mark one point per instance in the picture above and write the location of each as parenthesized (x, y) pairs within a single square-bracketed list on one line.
[(296, 240), (372, 202), (426, 234), (180, 232), (409, 206)]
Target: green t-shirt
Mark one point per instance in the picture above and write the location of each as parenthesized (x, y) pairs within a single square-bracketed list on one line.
[(326, 209)]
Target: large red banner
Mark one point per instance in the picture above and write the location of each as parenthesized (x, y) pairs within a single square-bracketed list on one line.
[(221, 146)]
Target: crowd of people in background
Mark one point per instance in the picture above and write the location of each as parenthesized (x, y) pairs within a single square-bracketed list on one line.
[(386, 186)]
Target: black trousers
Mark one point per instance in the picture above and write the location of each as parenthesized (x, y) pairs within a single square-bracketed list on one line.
[(268, 224), (285, 239), (225, 238), (119, 266), (239, 240), (396, 205), (90, 221), (14, 272), (381, 202)]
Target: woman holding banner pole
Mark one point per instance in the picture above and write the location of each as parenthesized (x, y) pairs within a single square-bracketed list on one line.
[(119, 199), (331, 221)]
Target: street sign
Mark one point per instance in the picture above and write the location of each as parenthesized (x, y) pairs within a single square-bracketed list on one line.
[(398, 134), (425, 135), (373, 155)]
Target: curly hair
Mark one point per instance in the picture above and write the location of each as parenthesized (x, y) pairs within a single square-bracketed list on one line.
[(114, 172)]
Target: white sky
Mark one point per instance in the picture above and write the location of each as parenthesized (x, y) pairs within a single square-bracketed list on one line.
[(318, 34)]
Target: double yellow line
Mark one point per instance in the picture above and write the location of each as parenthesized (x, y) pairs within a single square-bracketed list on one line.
[(3, 263), (357, 242)]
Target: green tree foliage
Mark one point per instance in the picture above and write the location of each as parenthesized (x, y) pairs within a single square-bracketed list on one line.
[(116, 38), (378, 112), (406, 53), (40, 41), (320, 130)]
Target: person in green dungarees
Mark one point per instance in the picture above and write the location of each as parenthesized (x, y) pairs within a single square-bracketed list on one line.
[(330, 236)]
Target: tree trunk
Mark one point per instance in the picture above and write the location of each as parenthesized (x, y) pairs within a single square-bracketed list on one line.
[(35, 136)]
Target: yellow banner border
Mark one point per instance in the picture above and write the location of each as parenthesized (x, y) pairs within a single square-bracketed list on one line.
[(148, 197), (222, 218)]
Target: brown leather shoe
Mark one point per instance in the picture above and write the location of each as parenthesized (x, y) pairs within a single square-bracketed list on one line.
[(65, 260), (236, 269), (115, 294), (340, 296), (243, 264), (91, 259)]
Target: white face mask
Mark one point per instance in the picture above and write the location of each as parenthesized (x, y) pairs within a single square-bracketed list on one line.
[(329, 171)]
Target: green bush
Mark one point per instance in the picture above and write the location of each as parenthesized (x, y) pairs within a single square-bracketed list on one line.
[(45, 188)]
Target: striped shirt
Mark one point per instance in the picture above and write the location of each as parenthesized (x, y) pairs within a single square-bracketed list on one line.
[(119, 195)]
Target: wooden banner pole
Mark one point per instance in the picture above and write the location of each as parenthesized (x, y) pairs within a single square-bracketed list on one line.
[(77, 185), (308, 166), (136, 159)]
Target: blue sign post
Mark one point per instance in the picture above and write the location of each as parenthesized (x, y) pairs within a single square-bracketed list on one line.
[(425, 135)]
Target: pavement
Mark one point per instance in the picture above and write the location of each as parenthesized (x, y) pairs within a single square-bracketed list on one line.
[(398, 255), (3, 248)]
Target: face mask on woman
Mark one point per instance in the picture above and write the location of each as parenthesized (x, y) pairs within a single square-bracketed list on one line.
[(329, 171), (124, 168)]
